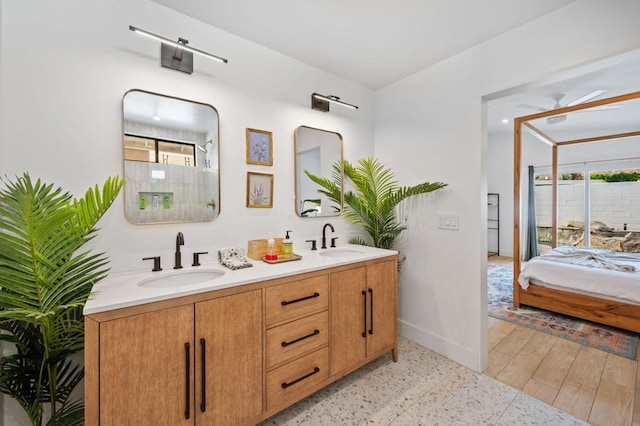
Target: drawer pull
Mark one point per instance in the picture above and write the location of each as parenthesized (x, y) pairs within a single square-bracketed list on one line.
[(203, 361), (364, 331), (288, 302), (187, 356), (299, 379), (300, 338), (371, 313)]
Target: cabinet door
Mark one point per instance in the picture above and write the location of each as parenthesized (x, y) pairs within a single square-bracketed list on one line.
[(382, 306), (229, 377), (348, 321), (146, 369)]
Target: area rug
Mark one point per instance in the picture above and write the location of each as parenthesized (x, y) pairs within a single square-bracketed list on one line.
[(609, 339), (493, 266)]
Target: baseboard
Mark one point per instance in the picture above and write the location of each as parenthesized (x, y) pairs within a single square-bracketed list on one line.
[(438, 344)]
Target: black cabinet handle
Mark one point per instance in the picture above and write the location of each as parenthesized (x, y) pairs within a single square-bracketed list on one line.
[(286, 385), (288, 302), (300, 338), (371, 313), (203, 364), (364, 331), (187, 353)]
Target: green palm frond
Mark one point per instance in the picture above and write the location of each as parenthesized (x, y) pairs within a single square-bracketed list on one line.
[(373, 200), (332, 187), (71, 414), (45, 280), (360, 241)]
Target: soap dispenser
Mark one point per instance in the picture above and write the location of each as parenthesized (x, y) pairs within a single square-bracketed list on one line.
[(271, 254), (287, 246)]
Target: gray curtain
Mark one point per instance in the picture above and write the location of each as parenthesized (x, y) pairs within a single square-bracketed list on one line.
[(531, 248)]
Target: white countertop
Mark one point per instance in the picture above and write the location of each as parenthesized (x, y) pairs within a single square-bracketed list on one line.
[(121, 290)]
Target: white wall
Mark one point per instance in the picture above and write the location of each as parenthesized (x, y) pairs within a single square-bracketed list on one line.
[(429, 126), (499, 165), (65, 68)]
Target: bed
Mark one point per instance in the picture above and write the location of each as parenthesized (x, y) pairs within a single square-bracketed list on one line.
[(593, 284)]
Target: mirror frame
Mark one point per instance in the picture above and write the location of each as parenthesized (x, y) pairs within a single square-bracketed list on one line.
[(218, 207), (295, 155)]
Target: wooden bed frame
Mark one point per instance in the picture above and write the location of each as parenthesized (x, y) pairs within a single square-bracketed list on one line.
[(603, 311), (617, 314)]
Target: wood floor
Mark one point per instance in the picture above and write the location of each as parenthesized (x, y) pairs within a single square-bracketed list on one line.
[(595, 386)]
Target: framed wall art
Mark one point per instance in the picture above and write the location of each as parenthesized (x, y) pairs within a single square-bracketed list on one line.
[(259, 147), (259, 190)]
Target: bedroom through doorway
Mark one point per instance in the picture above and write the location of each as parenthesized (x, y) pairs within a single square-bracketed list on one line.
[(574, 377)]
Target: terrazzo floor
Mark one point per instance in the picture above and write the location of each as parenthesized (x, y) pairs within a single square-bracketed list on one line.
[(422, 388)]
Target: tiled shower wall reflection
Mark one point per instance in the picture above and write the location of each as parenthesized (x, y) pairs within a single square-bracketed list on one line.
[(192, 190)]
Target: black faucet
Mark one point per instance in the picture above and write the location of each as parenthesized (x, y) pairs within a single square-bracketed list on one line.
[(179, 242), (324, 236)]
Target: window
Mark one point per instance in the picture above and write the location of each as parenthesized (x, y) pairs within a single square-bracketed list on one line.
[(137, 148), (605, 201)]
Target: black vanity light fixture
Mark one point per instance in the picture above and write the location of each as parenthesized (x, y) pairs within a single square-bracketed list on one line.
[(321, 102), (176, 55)]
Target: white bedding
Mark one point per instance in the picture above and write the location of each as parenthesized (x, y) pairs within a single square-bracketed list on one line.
[(595, 281)]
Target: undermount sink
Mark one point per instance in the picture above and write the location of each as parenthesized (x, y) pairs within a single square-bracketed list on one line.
[(340, 252), (182, 278)]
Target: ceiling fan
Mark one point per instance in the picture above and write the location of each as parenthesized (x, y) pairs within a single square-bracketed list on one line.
[(557, 97)]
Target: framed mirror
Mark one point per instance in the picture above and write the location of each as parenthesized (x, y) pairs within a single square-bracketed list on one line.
[(316, 151), (171, 159)]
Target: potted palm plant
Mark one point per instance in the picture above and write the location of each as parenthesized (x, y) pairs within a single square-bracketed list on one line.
[(373, 200), (45, 280)]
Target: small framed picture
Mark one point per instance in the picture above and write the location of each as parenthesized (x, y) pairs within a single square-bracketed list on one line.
[(259, 147), (259, 190)]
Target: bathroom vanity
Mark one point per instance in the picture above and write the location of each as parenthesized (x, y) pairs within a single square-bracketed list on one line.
[(234, 347)]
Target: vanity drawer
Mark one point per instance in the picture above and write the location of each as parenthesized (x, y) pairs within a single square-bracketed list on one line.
[(291, 340), (296, 299), (296, 379)]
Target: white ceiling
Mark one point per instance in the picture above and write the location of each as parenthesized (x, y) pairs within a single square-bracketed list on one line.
[(369, 42), (377, 42), (618, 76)]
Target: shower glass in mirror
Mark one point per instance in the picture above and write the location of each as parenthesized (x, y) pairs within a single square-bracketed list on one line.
[(171, 159), (316, 151)]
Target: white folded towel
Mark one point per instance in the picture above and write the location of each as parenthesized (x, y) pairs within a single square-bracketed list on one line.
[(234, 258)]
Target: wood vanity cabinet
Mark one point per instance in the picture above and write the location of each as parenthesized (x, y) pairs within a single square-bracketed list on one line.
[(180, 365), (363, 314), (239, 355)]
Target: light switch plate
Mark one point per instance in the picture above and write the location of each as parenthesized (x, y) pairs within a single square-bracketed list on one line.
[(450, 222)]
